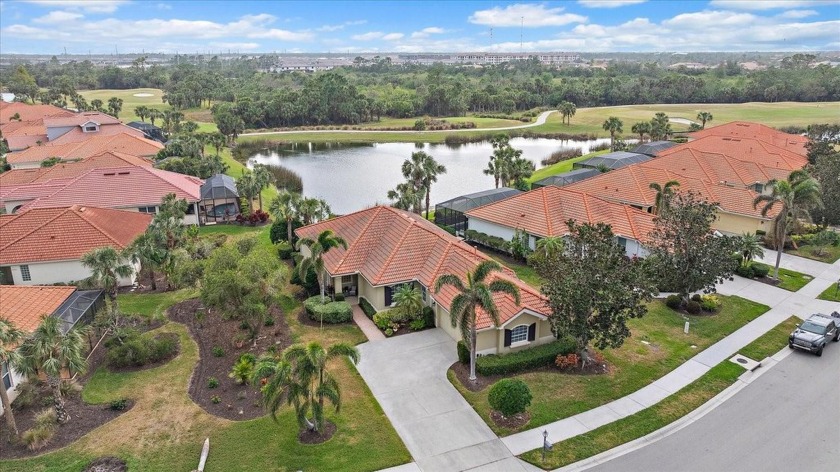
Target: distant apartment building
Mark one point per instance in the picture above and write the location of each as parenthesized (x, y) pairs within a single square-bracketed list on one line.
[(491, 58)]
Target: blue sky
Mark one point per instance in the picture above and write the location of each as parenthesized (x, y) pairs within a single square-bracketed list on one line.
[(48, 26)]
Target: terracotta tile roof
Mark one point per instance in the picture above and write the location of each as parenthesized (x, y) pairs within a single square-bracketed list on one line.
[(745, 149), (745, 129), (716, 167), (79, 119), (30, 112), (76, 135), (25, 305), (121, 142), (60, 234), (23, 141), (389, 246), (112, 187), (544, 212), (71, 169)]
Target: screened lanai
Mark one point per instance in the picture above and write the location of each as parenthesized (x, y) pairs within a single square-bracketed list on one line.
[(566, 178), (219, 200), (451, 212), (79, 308), (653, 148), (612, 161)]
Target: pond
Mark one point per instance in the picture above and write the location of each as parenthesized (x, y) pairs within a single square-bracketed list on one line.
[(351, 177)]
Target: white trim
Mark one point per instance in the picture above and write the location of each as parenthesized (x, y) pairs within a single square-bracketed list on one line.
[(519, 344)]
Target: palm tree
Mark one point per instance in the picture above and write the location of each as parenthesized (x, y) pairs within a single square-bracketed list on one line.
[(408, 301), (796, 195), (568, 110), (248, 186), (10, 337), (497, 163), (318, 247), (285, 207), (663, 195), (473, 295), (407, 197), (154, 114), (519, 170), (749, 247), (641, 128), (704, 117), (107, 266), (142, 112), (96, 104), (149, 250), (52, 352), (262, 179), (300, 378), (312, 210), (550, 246), (614, 126), (423, 170), (218, 141), (115, 106)]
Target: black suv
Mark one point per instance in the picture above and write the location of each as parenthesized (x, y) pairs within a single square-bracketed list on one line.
[(813, 334)]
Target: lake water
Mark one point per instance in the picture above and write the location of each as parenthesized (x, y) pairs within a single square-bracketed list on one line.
[(352, 177)]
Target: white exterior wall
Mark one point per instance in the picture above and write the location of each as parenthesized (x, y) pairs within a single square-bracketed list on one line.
[(17, 379), (634, 248), (491, 229), (47, 273), (26, 165), (10, 205)]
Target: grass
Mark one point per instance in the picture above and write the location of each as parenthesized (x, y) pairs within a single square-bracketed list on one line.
[(152, 305), (831, 294), (830, 254), (387, 122), (201, 116), (634, 365), (560, 167), (525, 272), (790, 280), (663, 413), (235, 170)]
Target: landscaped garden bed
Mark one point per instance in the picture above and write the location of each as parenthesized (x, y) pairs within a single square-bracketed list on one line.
[(832, 293), (220, 349), (788, 279), (656, 347)]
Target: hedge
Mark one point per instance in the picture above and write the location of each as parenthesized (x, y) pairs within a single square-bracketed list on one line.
[(330, 312), (493, 242), (463, 353), (533, 358), (284, 250), (367, 307)]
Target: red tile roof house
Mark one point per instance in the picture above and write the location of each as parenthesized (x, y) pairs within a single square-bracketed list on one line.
[(389, 247), (132, 188), (543, 212), (25, 306), (120, 142), (45, 245), (764, 133)]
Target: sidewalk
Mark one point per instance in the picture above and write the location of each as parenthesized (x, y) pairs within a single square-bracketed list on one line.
[(782, 304), (366, 325)]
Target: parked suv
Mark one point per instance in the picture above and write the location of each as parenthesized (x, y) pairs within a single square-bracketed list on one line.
[(815, 332)]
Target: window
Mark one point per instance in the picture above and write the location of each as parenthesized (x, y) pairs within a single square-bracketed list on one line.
[(152, 210), (519, 334), (759, 188), (7, 376), (423, 291), (90, 128), (24, 273), (622, 242)]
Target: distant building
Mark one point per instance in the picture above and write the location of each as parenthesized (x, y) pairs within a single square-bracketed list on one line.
[(491, 58)]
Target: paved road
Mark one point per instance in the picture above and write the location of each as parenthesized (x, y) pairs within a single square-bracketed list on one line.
[(540, 121), (787, 419)]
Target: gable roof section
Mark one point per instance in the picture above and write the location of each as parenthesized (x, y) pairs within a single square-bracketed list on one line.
[(745, 149), (764, 133), (77, 135), (545, 211), (121, 142), (80, 119), (30, 112), (716, 168), (71, 169), (26, 305), (389, 246), (60, 234)]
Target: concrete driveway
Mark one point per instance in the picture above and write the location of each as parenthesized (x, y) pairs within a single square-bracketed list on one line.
[(407, 375)]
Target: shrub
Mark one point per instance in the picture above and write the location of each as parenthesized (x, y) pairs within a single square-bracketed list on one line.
[(27, 394), (269, 321), (162, 347), (561, 155), (745, 271), (277, 233), (218, 352), (118, 405), (215, 399), (243, 369), (389, 332), (338, 297), (330, 312), (310, 283), (366, 307), (385, 320), (674, 302), (419, 125), (760, 270), (509, 396), (693, 308), (696, 297), (463, 352), (46, 417), (212, 382), (710, 303), (417, 325), (284, 250), (428, 317), (535, 357), (493, 242), (37, 437), (568, 361)]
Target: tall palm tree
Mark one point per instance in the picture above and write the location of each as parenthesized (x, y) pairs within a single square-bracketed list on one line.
[(10, 338), (312, 210), (107, 266), (568, 110), (407, 197), (663, 194), (115, 106), (795, 197), (142, 112), (473, 295), (614, 126), (423, 170), (641, 128), (149, 250), (52, 352), (704, 118), (218, 141), (318, 247), (262, 179), (300, 378), (285, 207), (749, 247), (154, 114)]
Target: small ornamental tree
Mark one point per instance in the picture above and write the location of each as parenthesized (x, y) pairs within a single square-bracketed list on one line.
[(509, 396)]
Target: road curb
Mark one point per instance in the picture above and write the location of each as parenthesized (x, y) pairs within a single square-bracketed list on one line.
[(745, 379)]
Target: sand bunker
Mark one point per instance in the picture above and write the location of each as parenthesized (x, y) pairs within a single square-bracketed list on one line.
[(144, 94)]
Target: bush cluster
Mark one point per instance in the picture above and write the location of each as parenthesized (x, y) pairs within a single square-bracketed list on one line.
[(284, 250), (46, 423), (493, 242), (330, 312), (533, 358), (118, 405), (136, 351), (257, 216), (463, 352), (561, 155), (674, 302), (509, 396), (753, 270), (366, 307), (693, 307), (569, 361)]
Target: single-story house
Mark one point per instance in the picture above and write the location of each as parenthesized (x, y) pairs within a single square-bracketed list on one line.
[(25, 306), (566, 178), (388, 247), (71, 169), (611, 161), (82, 126), (45, 245), (451, 212), (126, 143), (744, 129), (746, 150), (133, 188), (543, 213), (653, 148), (219, 200)]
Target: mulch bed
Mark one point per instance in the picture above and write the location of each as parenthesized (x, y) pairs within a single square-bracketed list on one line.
[(236, 402), (311, 437), (106, 464), (163, 361), (83, 419), (768, 280), (513, 422)]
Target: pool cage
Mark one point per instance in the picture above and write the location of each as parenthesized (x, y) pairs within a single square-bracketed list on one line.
[(81, 306), (451, 212)]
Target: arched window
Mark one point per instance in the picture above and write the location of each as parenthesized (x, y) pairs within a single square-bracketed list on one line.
[(519, 334)]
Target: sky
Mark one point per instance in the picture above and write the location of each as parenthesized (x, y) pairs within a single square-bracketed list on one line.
[(192, 26)]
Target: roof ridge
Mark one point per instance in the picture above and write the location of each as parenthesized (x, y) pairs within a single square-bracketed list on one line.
[(36, 228), (393, 252), (86, 220), (546, 211), (631, 222), (362, 232)]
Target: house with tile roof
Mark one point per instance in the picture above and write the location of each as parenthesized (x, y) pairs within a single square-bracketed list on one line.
[(752, 150), (388, 247), (764, 133), (45, 245), (126, 143), (543, 213), (135, 188), (70, 169), (26, 306)]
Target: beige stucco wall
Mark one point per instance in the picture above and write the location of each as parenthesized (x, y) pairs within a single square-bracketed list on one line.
[(739, 224), (492, 341)]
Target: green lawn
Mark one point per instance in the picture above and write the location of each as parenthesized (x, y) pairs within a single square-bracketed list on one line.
[(201, 116), (663, 413), (525, 272), (790, 279), (831, 294), (560, 167), (387, 122), (830, 254), (657, 346)]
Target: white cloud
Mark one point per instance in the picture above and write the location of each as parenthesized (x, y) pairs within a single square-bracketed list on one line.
[(92, 6), (425, 32), (393, 36), (609, 3), (331, 28), (235, 46), (58, 16), (163, 6), (769, 4), (528, 15), (370, 36), (796, 14)]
